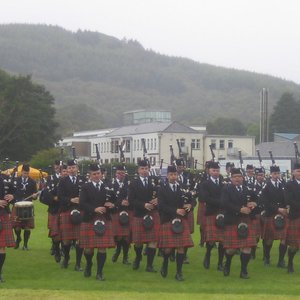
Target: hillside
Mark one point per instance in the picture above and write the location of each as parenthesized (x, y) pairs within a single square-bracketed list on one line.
[(109, 76)]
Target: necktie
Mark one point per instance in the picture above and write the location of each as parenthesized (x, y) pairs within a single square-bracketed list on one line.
[(174, 187), (217, 182), (276, 185), (73, 179), (145, 182), (239, 188), (98, 186)]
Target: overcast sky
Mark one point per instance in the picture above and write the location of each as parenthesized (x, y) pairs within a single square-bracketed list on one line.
[(255, 35)]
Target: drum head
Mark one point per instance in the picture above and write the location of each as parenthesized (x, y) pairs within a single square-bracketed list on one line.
[(24, 204)]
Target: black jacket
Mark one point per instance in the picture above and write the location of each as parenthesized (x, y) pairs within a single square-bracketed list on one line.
[(121, 193), (272, 198), (24, 190), (91, 198), (292, 198), (5, 188), (232, 201)]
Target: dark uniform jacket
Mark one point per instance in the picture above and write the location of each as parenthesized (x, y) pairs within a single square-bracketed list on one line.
[(272, 198), (91, 198), (23, 190), (292, 198), (121, 193), (138, 195), (211, 193), (232, 201), (5, 188), (67, 190)]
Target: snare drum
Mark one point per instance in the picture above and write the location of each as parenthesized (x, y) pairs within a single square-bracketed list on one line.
[(24, 210)]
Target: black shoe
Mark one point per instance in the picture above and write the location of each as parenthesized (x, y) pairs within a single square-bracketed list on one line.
[(100, 277), (179, 277), (78, 268), (136, 264), (281, 264), (88, 271), (172, 257), (25, 248), (126, 262), (290, 269), (186, 260), (226, 271), (164, 271), (267, 261), (1, 278), (18, 241), (57, 257), (244, 275), (206, 262), (220, 268), (115, 257), (150, 270), (52, 251), (65, 264)]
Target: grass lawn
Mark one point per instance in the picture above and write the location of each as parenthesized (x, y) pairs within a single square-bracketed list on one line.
[(35, 275)]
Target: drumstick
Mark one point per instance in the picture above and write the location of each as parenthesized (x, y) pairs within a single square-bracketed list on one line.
[(38, 193)]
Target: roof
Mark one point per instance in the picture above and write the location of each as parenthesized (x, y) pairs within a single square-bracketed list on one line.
[(287, 136), (279, 149), (167, 127)]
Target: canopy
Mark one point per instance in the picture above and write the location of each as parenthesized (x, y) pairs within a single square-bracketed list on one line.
[(33, 173)]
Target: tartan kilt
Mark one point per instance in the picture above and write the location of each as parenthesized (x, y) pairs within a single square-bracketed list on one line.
[(140, 235), (53, 224), (293, 233), (169, 239), (89, 239), (68, 231), (191, 221), (212, 232), (17, 223), (231, 239), (257, 225), (269, 233), (6, 234), (118, 229), (200, 213)]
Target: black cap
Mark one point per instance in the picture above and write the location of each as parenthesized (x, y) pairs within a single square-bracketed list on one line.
[(171, 169), (57, 162), (274, 169), (229, 165), (296, 166), (179, 162), (71, 162), (120, 168), (259, 170), (26, 168), (213, 165), (249, 167), (94, 167), (235, 171), (143, 163)]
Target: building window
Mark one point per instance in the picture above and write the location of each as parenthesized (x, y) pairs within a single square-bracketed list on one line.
[(106, 161), (230, 144), (195, 144), (151, 145), (182, 142), (148, 144), (222, 145), (154, 144), (213, 144), (133, 160), (127, 146), (138, 145), (134, 145), (127, 160), (152, 160)]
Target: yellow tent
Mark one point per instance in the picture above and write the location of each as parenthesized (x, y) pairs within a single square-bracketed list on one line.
[(33, 173)]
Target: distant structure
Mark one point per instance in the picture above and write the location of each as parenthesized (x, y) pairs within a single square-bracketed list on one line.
[(264, 122), (143, 116)]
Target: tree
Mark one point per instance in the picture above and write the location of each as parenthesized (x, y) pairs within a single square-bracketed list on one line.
[(26, 117), (285, 117), (226, 126), (253, 130)]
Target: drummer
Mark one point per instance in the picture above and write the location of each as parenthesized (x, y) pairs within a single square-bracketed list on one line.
[(25, 188)]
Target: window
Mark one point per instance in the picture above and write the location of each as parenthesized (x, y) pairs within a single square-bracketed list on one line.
[(101, 148), (230, 144), (213, 144), (151, 144), (127, 160), (154, 148), (127, 146), (195, 144), (138, 145), (148, 144), (106, 161), (134, 145), (222, 144), (182, 142)]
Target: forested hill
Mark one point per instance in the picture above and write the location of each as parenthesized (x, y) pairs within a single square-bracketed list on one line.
[(91, 74)]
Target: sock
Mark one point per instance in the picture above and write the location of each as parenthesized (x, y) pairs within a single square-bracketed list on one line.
[(2, 259), (267, 251), (179, 262), (101, 258), (291, 255), (89, 257), (66, 249), (185, 253), (18, 234), (56, 247), (79, 252), (228, 260), (26, 237), (166, 260), (138, 252), (282, 251), (118, 248), (150, 256), (125, 245), (244, 262), (221, 253)]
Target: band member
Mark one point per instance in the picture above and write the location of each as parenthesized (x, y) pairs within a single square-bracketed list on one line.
[(50, 198), (6, 232), (145, 227), (292, 196), (70, 215), (239, 209), (25, 188), (250, 176), (211, 192), (173, 208), (272, 197), (122, 230), (96, 228)]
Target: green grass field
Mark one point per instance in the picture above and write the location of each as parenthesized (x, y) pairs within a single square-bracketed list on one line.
[(35, 275)]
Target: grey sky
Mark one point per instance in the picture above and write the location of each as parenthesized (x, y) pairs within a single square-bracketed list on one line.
[(255, 35)]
